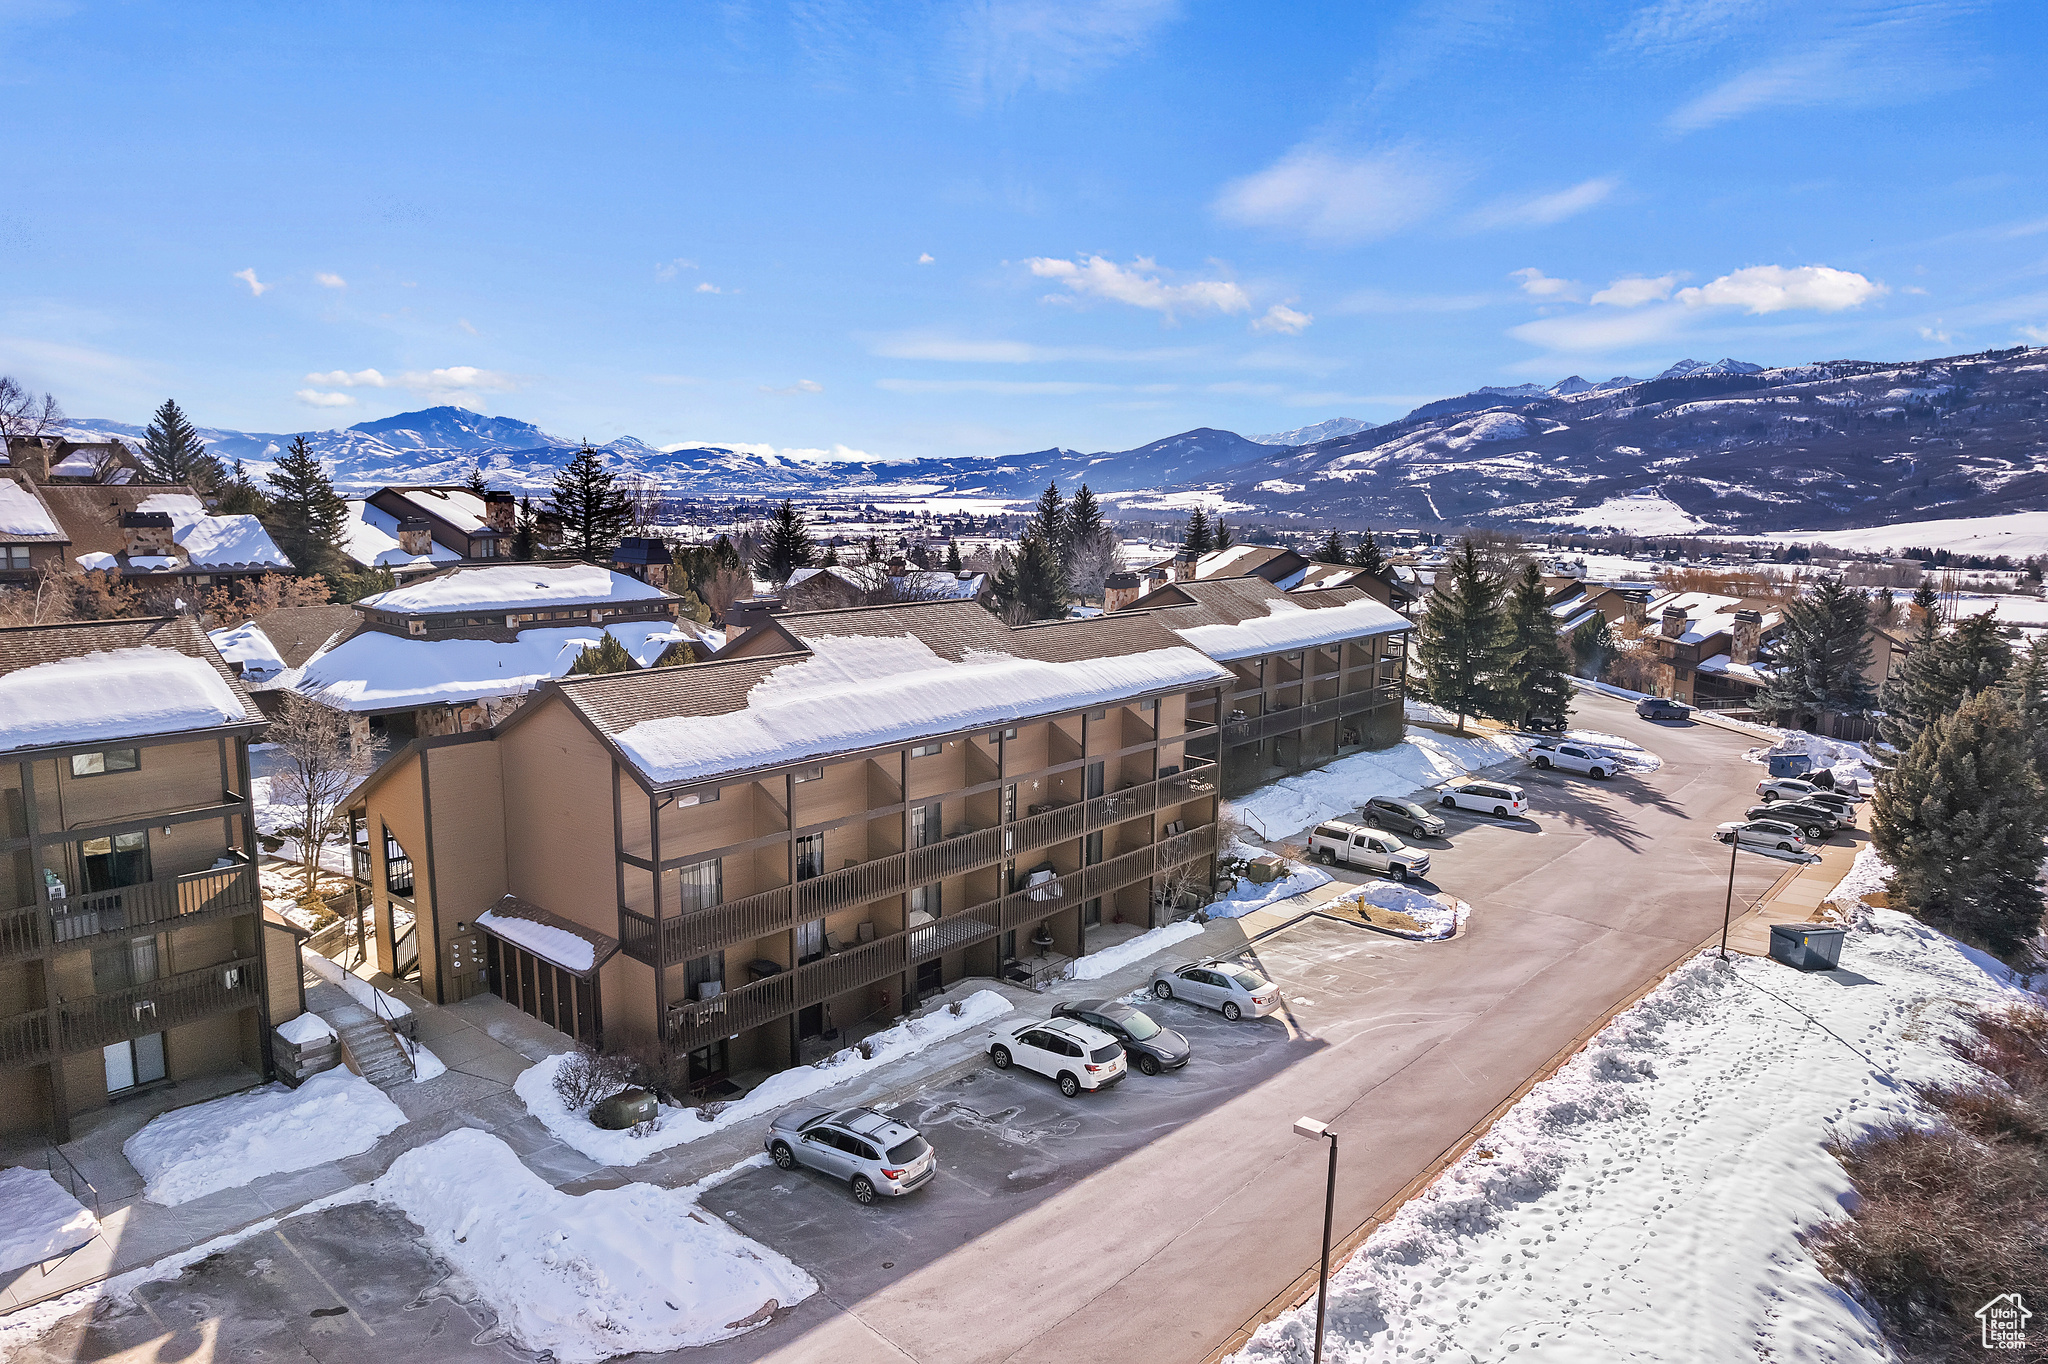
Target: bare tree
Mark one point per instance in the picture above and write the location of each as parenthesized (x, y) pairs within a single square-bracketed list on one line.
[(23, 413), (649, 505), (317, 768), (1094, 560), (107, 461)]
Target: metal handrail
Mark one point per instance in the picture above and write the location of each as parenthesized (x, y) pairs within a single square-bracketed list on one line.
[(72, 1178)]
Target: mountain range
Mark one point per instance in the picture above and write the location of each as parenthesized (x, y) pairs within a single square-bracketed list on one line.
[(1721, 446)]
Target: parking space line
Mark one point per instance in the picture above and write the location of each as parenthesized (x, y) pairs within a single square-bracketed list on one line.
[(354, 1315)]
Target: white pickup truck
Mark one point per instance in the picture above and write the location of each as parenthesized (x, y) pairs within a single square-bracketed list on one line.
[(1356, 845), (1575, 757)]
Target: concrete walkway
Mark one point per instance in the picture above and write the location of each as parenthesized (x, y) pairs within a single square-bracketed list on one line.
[(1800, 896)]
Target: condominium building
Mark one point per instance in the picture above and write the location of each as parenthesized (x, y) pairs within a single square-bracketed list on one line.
[(132, 939)]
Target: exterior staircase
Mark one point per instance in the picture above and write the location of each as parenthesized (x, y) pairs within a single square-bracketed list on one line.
[(369, 1046)]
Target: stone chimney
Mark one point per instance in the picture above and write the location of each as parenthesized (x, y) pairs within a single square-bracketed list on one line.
[(1746, 639), (1673, 624), (500, 511), (898, 565), (146, 533), (1119, 590), (1184, 565), (33, 454), (416, 536)]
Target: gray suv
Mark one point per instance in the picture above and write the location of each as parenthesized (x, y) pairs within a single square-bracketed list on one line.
[(876, 1155), (1662, 708)]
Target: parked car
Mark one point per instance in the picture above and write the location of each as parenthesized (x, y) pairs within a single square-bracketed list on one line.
[(1391, 812), (1845, 801), (1571, 757), (1488, 797), (1146, 1045), (1815, 822), (1356, 845), (1545, 724), (1662, 708), (875, 1154), (1071, 1052), (1233, 991), (1763, 833), (1790, 788)]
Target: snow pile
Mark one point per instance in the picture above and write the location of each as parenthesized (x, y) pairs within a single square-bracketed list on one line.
[(425, 1065), (513, 587), (99, 561), (1110, 960), (225, 1143), (1422, 759), (1647, 1202), (557, 945), (1290, 625), (22, 513), (1440, 915), (536, 1085), (863, 692), (1850, 763), (113, 694), (360, 990), (1248, 895), (305, 1030), (586, 1277), (39, 1219), (1639, 759)]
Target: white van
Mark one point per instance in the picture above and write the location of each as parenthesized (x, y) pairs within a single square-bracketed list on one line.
[(1357, 845), (1487, 797)]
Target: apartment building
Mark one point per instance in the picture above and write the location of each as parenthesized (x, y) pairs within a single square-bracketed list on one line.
[(843, 812), (132, 940), (30, 538)]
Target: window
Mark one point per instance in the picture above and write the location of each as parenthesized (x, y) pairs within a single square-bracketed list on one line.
[(804, 774), (131, 963), (924, 905), (106, 760), (810, 940), (16, 556), (109, 863), (702, 972), (697, 798), (138, 1062), (703, 885), (1152, 704), (1001, 735), (1094, 779), (810, 856), (924, 824), (1102, 714), (416, 627), (926, 750)]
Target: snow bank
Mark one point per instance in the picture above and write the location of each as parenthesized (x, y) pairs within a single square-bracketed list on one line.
[(360, 990), (225, 1143), (425, 1065), (1248, 895), (1422, 759), (1110, 960), (113, 694), (1290, 625), (1849, 763), (22, 513), (513, 587), (39, 1219), (1647, 1202), (536, 1085), (1440, 915), (1619, 693), (590, 1277), (304, 1029)]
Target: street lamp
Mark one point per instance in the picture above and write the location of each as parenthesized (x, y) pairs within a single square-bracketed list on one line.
[(1310, 1128), (1728, 905)]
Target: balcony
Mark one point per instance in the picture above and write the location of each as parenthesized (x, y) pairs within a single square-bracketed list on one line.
[(82, 921), (99, 1020)]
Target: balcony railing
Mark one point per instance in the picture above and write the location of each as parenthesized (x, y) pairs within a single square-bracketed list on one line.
[(24, 1039), (99, 1020), (82, 920)]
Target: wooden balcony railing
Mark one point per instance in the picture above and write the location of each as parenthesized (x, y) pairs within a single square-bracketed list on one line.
[(98, 1020), (24, 1040), (78, 921)]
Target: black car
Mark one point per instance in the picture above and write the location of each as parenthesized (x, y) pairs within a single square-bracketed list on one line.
[(1661, 708), (1545, 724), (1811, 820), (1403, 816), (1150, 1047)]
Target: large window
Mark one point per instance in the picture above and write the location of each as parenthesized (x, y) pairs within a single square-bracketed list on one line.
[(136, 1062), (810, 856), (703, 885), (925, 823), (109, 863), (924, 905), (104, 761), (810, 940)]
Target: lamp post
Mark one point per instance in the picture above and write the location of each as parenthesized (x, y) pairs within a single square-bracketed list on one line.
[(1728, 905), (1310, 1128)]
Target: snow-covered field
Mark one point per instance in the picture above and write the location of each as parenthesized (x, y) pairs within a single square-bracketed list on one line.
[(536, 1085), (2018, 534), (225, 1143), (39, 1219), (1423, 758), (1646, 1203)]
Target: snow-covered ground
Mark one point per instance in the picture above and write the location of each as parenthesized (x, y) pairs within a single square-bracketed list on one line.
[(1248, 895), (225, 1143), (1110, 960), (2018, 535), (39, 1219), (1639, 759), (589, 1277), (1440, 915), (1647, 1201), (1423, 758), (536, 1085)]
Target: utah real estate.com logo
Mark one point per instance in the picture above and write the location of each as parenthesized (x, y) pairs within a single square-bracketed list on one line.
[(2004, 1320)]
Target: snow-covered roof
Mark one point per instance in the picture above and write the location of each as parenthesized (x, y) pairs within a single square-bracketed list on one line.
[(918, 584), (459, 507), (1580, 619), (23, 515), (247, 645), (567, 944), (512, 587), (866, 691), (1290, 625), (98, 561), (77, 464), (209, 541), (372, 539), (123, 693), (1706, 614), (1743, 672), (1237, 560)]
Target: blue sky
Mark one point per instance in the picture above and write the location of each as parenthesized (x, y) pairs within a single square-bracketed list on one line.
[(981, 228)]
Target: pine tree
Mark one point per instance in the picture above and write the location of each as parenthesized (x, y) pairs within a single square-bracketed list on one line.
[(239, 495), (594, 513), (789, 546), (1592, 646), (1332, 550), (605, 656), (474, 480), (1821, 653), (727, 555), (1049, 522), (1199, 540), (1942, 672), (307, 518), (525, 532), (1463, 641), (1041, 586), (1536, 662), (173, 453), (677, 655), (1084, 522), (1222, 534), (1961, 820), (1366, 555), (953, 564), (2028, 688)]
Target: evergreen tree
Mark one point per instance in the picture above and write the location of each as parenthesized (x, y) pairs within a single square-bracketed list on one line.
[(831, 559), (306, 517), (1041, 585), (605, 656), (525, 532), (1942, 672), (789, 546), (239, 495), (1222, 534), (1332, 550), (1961, 820), (1536, 663), (727, 555), (474, 480), (594, 513), (1905, 694), (676, 655), (1199, 540), (1822, 651), (1084, 522), (1463, 641), (953, 564), (173, 453), (1366, 555), (1049, 523), (1592, 646), (2028, 687)]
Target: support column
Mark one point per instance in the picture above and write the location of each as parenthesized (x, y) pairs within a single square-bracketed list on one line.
[(660, 944), (60, 1102)]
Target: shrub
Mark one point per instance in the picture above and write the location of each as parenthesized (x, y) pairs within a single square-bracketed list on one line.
[(957, 1008), (866, 1050), (587, 1075)]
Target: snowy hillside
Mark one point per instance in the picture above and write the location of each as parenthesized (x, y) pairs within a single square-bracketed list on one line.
[(1309, 435)]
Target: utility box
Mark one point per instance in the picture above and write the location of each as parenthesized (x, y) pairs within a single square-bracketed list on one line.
[(1265, 870), (1790, 764), (1807, 947)]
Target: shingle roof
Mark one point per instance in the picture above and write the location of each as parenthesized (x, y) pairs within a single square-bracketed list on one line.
[(29, 646), (298, 632)]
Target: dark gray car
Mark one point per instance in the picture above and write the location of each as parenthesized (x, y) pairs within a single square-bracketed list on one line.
[(1661, 708), (1150, 1047), (1813, 821), (1404, 816)]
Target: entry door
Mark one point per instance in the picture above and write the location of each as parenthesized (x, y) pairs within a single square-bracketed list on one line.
[(137, 1062)]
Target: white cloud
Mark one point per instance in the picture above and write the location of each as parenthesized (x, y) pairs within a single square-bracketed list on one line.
[(963, 350), (466, 325), (257, 288), (1599, 332), (1776, 288), (331, 281), (1536, 284), (1633, 291), (2035, 334), (707, 287), (455, 378), (924, 258), (1283, 319), (1935, 333), (998, 47), (1006, 387), (313, 397), (668, 270), (1545, 209), (1140, 285), (800, 386), (1335, 200)]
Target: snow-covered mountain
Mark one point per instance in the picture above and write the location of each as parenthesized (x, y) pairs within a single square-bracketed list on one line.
[(1309, 435)]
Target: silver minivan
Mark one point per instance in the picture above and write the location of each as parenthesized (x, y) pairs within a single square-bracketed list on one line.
[(875, 1154)]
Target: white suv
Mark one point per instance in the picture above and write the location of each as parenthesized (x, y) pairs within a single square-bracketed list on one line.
[(1076, 1054), (1373, 849), (1487, 797), (1233, 991), (873, 1152)]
